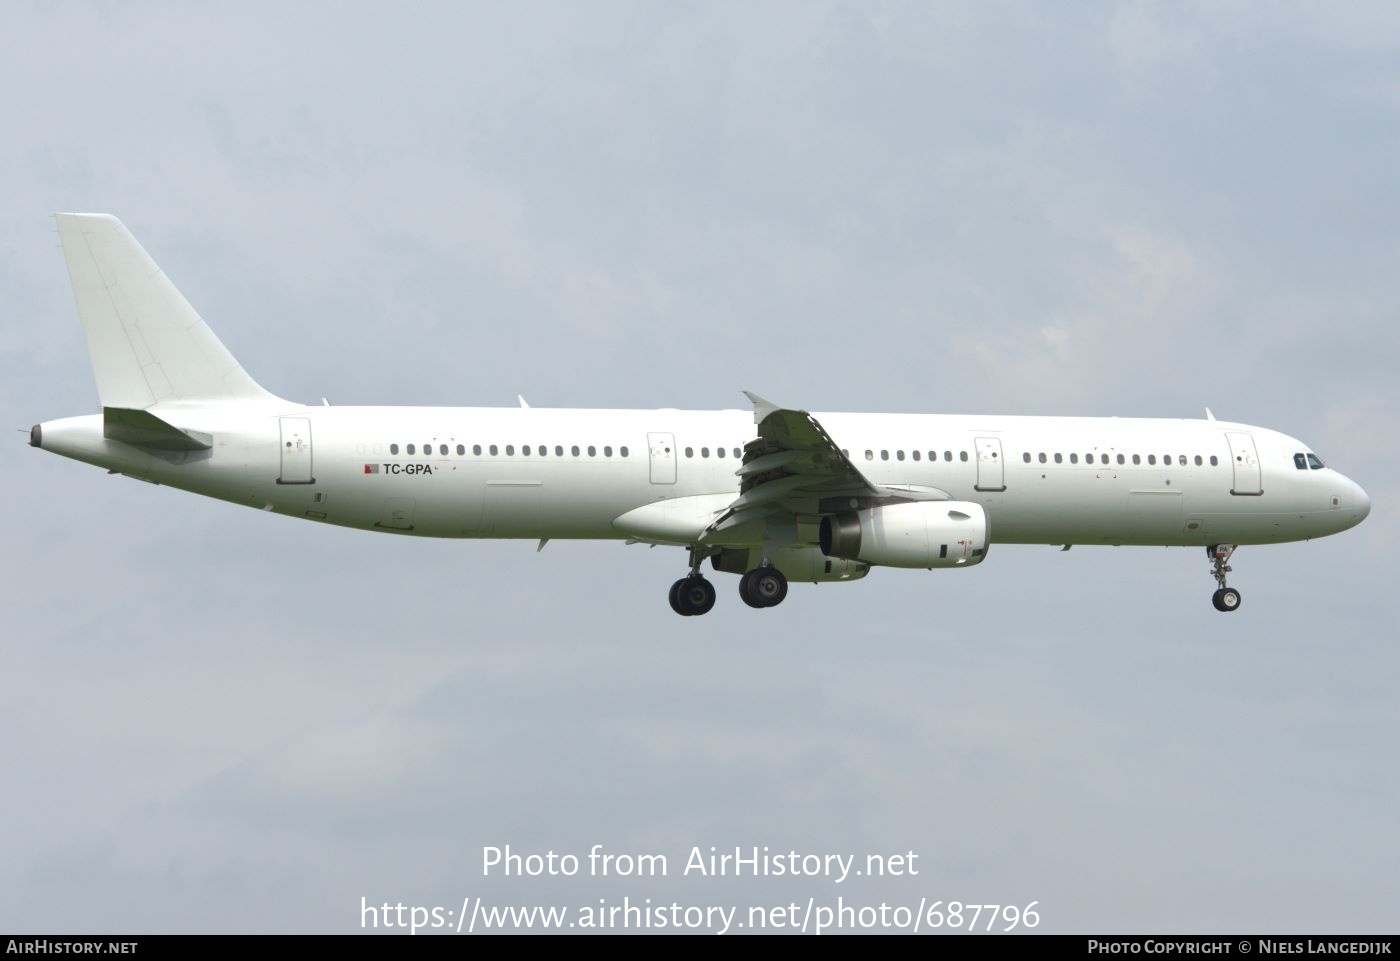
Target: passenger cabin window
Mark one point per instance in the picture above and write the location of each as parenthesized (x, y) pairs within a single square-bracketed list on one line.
[(442, 449), (1120, 458), (962, 455), (1059, 458), (623, 451), (899, 455), (1042, 457), (1152, 459), (884, 455), (915, 455), (393, 448), (870, 455), (592, 451), (410, 448), (1213, 461), (1074, 458), (461, 449), (1198, 460), (494, 450), (1314, 462), (1137, 458), (574, 450), (476, 449), (1026, 457), (690, 452)]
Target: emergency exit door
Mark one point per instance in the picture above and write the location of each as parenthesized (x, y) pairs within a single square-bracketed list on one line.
[(990, 473), (663, 458)]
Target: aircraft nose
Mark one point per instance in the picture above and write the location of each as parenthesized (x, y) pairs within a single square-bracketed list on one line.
[(1362, 501)]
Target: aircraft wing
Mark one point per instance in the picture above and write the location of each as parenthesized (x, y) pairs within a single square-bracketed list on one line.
[(794, 468)]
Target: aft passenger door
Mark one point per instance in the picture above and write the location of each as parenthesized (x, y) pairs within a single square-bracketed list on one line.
[(1246, 464), (296, 451)]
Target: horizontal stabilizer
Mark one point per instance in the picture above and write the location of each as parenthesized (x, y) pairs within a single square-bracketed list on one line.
[(141, 428)]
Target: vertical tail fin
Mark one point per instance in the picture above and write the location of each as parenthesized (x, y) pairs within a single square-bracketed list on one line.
[(147, 344)]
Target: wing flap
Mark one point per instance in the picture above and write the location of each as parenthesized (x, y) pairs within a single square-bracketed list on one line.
[(767, 462)]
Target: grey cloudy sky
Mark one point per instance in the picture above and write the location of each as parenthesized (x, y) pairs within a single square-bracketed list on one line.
[(218, 720)]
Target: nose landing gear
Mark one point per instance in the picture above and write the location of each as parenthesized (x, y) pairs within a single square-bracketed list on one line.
[(1225, 598)]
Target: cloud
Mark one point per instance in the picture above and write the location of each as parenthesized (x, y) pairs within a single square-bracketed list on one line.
[(1145, 33)]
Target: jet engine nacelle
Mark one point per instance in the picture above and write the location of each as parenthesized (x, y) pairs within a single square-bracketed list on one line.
[(920, 534), (798, 564)]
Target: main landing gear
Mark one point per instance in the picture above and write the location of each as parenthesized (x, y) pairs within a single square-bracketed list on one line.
[(1226, 598), (764, 586), (693, 595)]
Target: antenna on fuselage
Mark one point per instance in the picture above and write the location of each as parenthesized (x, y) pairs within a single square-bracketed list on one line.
[(1209, 415)]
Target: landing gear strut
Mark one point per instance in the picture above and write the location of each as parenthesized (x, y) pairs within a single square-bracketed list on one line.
[(763, 587), (693, 595), (1226, 598)]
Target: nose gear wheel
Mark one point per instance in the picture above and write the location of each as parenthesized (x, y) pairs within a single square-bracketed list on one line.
[(1225, 598)]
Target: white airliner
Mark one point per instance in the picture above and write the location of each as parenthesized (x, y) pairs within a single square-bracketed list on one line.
[(771, 494)]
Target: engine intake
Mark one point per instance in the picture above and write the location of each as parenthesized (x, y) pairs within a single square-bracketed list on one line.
[(924, 534)]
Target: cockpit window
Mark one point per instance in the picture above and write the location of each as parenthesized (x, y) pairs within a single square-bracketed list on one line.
[(1300, 461), (1314, 463)]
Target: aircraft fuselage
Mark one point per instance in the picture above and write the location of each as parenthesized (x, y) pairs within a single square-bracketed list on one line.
[(547, 473)]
